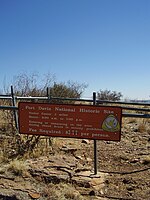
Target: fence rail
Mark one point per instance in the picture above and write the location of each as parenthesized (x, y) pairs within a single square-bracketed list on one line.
[(98, 102), (135, 115)]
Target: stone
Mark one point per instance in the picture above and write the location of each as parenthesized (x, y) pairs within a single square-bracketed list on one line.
[(85, 141), (34, 195)]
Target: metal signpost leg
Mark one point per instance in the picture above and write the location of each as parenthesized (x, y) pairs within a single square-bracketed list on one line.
[(95, 141), (49, 100), (14, 104)]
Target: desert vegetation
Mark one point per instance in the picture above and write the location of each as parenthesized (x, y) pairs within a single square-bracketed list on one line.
[(109, 95), (40, 167)]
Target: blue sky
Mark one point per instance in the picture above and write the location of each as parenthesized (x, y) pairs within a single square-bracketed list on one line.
[(104, 43)]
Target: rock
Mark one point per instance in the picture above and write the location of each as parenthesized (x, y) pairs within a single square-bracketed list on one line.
[(85, 141), (146, 160), (51, 175), (89, 160), (92, 193), (97, 181), (130, 188), (81, 181), (79, 157), (34, 195), (126, 181), (71, 150), (8, 197), (82, 171), (134, 160)]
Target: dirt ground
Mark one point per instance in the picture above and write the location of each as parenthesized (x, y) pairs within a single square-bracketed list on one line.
[(127, 163), (123, 168)]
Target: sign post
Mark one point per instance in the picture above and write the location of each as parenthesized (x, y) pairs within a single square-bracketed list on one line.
[(95, 142)]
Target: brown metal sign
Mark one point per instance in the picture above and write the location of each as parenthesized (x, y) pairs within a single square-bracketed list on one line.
[(77, 121)]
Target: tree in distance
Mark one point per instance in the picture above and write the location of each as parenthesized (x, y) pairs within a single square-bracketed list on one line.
[(35, 85), (109, 95)]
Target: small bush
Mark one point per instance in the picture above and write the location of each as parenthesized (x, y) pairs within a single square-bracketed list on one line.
[(18, 167)]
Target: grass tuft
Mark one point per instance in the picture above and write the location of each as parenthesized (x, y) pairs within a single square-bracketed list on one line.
[(146, 160), (62, 191), (18, 167), (142, 128)]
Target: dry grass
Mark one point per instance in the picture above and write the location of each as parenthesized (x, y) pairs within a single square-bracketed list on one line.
[(143, 125), (17, 167), (4, 143), (146, 160), (132, 120), (142, 128), (62, 191), (3, 158)]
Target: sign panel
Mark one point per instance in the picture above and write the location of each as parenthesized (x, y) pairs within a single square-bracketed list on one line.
[(77, 121)]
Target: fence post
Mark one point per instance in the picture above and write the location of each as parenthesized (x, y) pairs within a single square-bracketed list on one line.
[(48, 94), (14, 104), (95, 141)]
